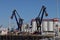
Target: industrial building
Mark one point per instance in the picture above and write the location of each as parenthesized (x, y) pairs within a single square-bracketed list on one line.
[(48, 25), (3, 31)]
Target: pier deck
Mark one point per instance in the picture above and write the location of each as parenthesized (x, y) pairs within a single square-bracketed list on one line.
[(24, 37)]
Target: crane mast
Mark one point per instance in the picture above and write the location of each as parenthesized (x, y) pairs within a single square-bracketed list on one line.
[(39, 19), (18, 21)]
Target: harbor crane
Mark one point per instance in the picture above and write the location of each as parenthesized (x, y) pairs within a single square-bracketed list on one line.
[(19, 21), (39, 18)]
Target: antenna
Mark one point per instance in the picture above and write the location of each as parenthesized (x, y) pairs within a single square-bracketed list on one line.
[(57, 10)]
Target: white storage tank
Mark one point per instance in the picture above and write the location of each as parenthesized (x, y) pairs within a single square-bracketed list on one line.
[(56, 20), (30, 28), (55, 23), (50, 25), (59, 26), (34, 25), (45, 25), (25, 28)]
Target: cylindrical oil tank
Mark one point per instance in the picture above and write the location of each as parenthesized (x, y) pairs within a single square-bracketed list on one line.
[(56, 20), (34, 25), (55, 23), (30, 28), (50, 25), (24, 28), (59, 24), (44, 25)]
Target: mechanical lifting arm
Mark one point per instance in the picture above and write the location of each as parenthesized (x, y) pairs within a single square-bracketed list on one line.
[(18, 21), (39, 19)]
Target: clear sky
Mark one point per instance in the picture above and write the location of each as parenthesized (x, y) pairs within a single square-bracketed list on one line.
[(27, 9)]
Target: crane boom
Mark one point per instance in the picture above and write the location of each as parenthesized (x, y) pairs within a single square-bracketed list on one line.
[(39, 19), (18, 21)]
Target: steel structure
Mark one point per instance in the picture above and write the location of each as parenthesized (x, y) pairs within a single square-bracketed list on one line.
[(19, 21), (39, 18)]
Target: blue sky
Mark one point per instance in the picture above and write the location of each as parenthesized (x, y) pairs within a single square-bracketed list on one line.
[(27, 9)]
